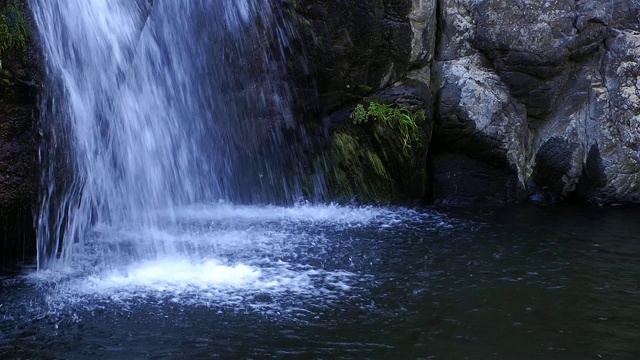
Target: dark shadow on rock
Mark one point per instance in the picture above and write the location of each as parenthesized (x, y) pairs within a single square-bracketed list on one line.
[(22, 70), (17, 240), (457, 179)]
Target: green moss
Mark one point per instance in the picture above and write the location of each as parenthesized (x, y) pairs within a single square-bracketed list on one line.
[(14, 30), (345, 146), (358, 170), (368, 164), (376, 164), (401, 119)]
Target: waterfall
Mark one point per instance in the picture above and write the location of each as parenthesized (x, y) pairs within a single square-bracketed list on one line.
[(156, 104)]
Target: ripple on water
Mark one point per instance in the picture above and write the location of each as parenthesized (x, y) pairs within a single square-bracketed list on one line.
[(226, 255)]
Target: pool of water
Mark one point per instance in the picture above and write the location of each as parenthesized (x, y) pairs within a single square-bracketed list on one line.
[(225, 281)]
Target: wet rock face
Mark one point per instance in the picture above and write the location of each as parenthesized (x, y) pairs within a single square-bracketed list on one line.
[(357, 47), (19, 79), (17, 155), (546, 90), (362, 51)]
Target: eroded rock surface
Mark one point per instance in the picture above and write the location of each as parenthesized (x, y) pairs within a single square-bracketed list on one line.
[(545, 91)]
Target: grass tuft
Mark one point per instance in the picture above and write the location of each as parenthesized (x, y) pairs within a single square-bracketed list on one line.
[(393, 117)]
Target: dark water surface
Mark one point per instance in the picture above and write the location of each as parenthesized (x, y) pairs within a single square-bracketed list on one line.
[(509, 283)]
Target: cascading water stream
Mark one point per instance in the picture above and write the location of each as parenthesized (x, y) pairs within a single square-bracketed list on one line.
[(150, 106)]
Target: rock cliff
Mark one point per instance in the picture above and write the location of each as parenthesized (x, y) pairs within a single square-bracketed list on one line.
[(533, 100)]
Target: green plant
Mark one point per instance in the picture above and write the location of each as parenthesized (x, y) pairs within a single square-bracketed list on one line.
[(401, 119), (14, 30)]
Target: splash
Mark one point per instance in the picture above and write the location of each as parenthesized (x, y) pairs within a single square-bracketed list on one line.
[(226, 255), (156, 105)]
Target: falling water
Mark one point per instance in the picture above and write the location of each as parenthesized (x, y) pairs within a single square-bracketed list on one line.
[(153, 105)]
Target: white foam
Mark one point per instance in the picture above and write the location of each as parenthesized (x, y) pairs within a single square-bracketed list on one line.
[(223, 254), (207, 283), (178, 274), (300, 213)]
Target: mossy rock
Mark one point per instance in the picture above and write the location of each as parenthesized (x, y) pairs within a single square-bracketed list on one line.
[(370, 162), (14, 29), (21, 62)]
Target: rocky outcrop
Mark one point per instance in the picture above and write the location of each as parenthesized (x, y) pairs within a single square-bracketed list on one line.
[(540, 98), (19, 79), (534, 100), (360, 52)]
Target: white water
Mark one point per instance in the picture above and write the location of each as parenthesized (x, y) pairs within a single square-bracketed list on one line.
[(226, 254), (152, 106)]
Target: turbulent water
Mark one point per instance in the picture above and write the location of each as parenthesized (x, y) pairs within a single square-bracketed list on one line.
[(155, 105), (345, 282)]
